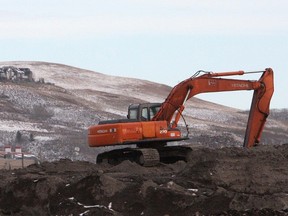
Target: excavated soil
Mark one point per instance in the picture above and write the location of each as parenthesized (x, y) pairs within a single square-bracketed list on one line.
[(227, 181)]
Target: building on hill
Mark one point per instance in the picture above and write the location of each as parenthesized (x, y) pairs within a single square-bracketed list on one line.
[(16, 74)]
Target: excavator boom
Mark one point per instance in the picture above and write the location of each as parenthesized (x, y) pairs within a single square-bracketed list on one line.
[(213, 82)]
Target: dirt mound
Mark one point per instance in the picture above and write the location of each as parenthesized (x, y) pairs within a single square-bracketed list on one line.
[(228, 181)]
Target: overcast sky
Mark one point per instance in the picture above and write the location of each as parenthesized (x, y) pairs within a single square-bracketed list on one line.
[(164, 41)]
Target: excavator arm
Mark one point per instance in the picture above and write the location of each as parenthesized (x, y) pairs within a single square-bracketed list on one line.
[(213, 82), (259, 110)]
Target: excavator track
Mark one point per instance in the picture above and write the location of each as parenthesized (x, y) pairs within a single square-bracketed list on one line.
[(143, 156), (146, 156), (172, 154)]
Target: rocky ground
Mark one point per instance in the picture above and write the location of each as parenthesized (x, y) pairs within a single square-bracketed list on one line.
[(226, 181)]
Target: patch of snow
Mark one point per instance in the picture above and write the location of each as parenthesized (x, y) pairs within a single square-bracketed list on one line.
[(84, 213), (199, 126), (116, 112), (110, 206), (11, 126), (192, 189), (209, 114), (43, 138), (23, 98)]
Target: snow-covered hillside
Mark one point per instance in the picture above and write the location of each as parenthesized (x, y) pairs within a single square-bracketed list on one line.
[(56, 114)]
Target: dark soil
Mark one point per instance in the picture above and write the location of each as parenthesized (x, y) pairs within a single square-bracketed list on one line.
[(227, 181)]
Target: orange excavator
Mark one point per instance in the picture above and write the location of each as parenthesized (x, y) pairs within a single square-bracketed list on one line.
[(151, 126)]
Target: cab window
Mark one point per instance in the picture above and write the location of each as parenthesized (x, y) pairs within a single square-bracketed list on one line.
[(153, 111), (133, 114), (144, 114)]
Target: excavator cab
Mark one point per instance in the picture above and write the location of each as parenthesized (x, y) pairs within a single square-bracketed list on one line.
[(143, 112)]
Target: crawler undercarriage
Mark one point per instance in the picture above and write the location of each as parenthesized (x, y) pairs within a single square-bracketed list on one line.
[(147, 156)]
